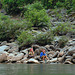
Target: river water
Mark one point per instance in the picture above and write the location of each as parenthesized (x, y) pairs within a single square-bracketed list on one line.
[(34, 69)]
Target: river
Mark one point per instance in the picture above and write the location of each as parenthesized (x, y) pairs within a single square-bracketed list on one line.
[(34, 69)]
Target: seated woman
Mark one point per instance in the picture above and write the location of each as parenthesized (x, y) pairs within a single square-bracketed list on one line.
[(31, 53), (43, 55)]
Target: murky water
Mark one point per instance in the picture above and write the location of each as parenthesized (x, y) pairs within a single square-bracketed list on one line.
[(34, 69)]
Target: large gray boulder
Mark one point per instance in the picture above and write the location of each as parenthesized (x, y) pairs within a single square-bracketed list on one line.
[(3, 57), (2, 48), (32, 60), (18, 57)]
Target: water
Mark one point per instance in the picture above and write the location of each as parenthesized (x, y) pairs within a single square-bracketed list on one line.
[(34, 69)]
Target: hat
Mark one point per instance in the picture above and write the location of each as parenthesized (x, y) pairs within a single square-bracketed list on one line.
[(31, 49)]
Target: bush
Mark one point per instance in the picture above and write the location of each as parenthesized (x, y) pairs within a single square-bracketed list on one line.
[(25, 38), (10, 28), (44, 38), (62, 29), (37, 18), (62, 41)]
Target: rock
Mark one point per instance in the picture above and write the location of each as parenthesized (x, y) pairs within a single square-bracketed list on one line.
[(14, 48), (18, 57), (53, 60), (3, 57), (73, 61), (25, 52), (7, 48), (37, 52), (58, 49), (67, 57), (60, 59), (2, 48), (35, 46), (32, 60), (37, 58), (68, 62), (71, 43), (74, 55), (44, 30), (48, 11), (61, 54), (55, 55), (71, 51), (52, 47), (4, 43), (10, 56), (24, 59)]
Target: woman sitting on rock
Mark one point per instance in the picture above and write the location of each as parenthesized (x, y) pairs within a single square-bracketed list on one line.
[(43, 55), (31, 53)]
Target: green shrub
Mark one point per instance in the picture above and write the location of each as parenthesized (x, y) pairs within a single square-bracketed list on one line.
[(10, 28), (44, 38), (62, 41), (25, 38), (62, 29), (37, 18)]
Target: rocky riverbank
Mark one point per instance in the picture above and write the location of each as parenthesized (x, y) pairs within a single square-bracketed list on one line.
[(10, 53)]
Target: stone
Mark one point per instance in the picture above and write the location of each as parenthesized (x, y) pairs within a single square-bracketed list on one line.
[(25, 52), (61, 54), (68, 57), (4, 43), (32, 60), (74, 55), (68, 62), (7, 48), (14, 48), (37, 52), (18, 57), (55, 55), (2, 48), (60, 59), (53, 60), (3, 57), (73, 61), (71, 51)]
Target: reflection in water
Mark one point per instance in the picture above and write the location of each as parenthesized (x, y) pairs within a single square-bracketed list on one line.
[(33, 69)]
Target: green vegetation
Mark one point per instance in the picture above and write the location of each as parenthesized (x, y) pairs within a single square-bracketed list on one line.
[(62, 29), (33, 14), (10, 28), (62, 41), (17, 6), (37, 18)]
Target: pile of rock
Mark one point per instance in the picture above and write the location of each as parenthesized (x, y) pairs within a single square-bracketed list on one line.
[(10, 53)]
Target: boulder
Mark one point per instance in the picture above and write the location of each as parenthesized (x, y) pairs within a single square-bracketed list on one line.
[(73, 61), (53, 60), (60, 59), (32, 60), (61, 54), (68, 62), (3, 57), (37, 52), (14, 48), (71, 51), (25, 52), (4, 43), (2, 48), (18, 57), (55, 55), (74, 55)]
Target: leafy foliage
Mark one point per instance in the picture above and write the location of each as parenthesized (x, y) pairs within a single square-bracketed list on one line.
[(10, 28), (37, 18)]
